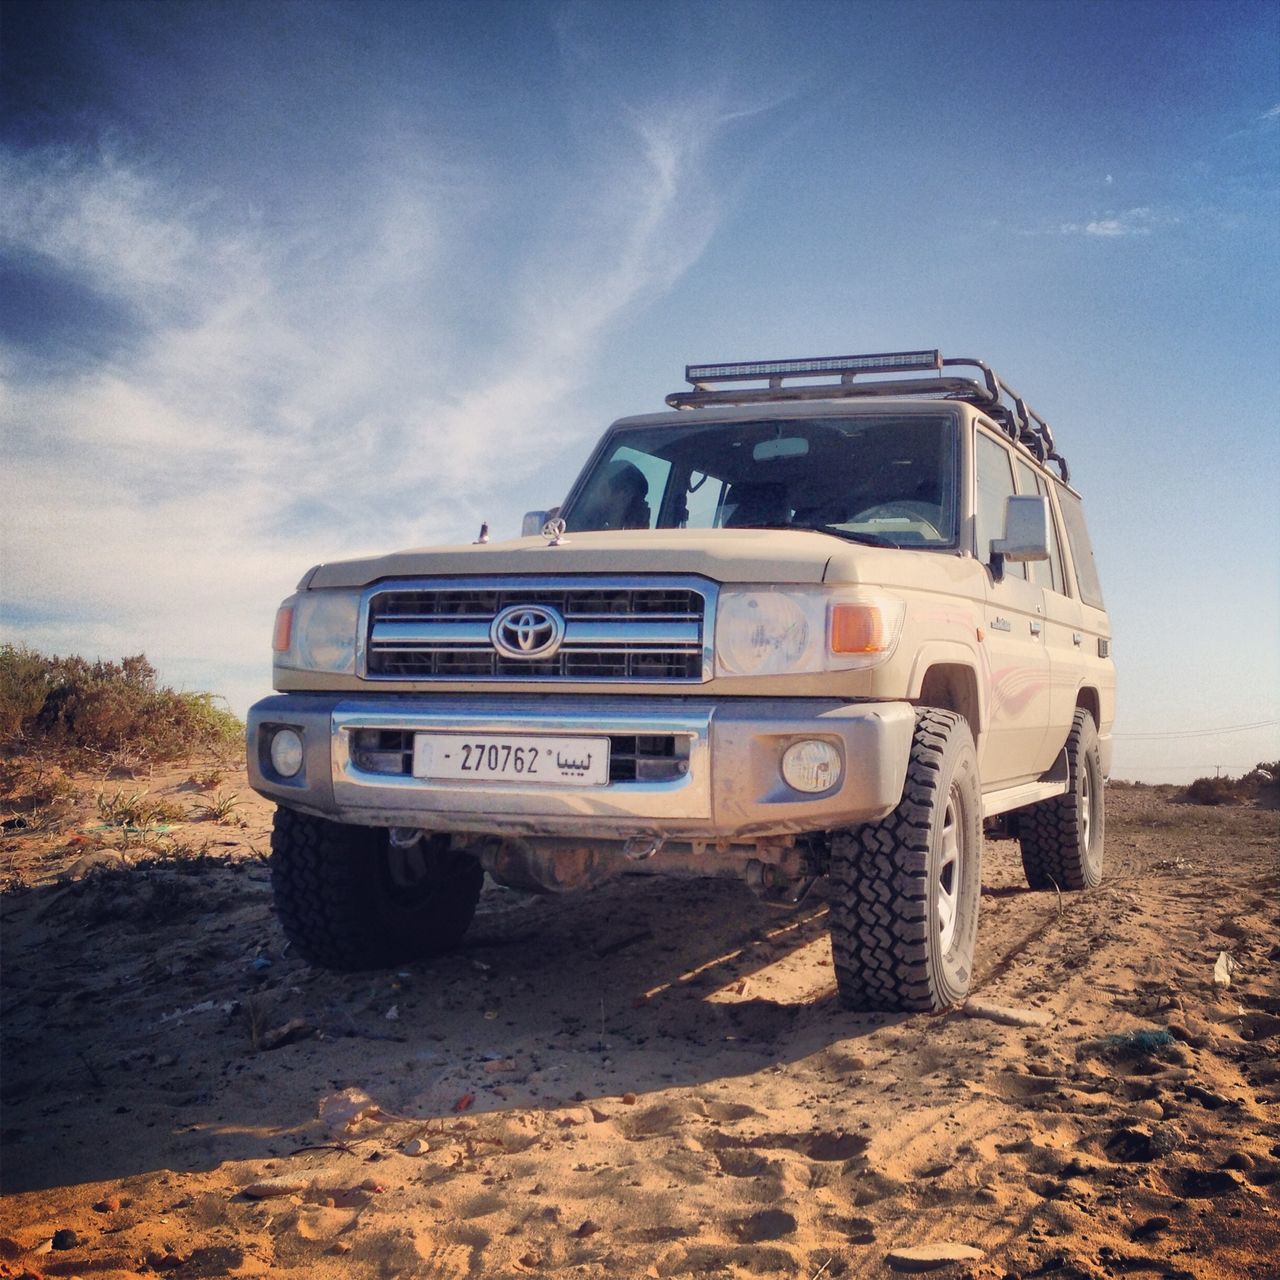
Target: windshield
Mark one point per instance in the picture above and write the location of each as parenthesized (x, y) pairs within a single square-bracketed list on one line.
[(889, 479)]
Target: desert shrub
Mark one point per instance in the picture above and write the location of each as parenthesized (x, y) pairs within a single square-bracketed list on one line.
[(1259, 786), (25, 682), (107, 708), (1213, 791), (1264, 779)]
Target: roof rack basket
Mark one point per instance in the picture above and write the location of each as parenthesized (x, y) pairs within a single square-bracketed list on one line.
[(995, 397)]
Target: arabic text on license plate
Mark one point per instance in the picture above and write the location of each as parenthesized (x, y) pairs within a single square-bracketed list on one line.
[(574, 762)]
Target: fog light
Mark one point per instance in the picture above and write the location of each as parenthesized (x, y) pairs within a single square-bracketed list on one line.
[(811, 765), (286, 752)]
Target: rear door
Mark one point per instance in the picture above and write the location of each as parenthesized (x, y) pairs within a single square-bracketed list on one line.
[(1063, 626), (1099, 668)]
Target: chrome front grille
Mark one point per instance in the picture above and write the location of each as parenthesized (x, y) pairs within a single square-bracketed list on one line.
[(611, 631)]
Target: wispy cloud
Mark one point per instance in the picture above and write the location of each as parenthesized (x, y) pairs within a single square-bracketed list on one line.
[(1115, 225), (295, 393)]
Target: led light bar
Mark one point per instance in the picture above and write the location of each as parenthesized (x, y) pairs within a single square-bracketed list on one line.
[(884, 362)]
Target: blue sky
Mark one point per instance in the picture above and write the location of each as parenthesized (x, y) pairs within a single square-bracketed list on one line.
[(285, 282)]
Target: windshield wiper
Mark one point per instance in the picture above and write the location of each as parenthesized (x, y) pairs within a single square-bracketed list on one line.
[(849, 535)]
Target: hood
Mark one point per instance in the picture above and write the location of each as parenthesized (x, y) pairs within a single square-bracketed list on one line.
[(723, 555)]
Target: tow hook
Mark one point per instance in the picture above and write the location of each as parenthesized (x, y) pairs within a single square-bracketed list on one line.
[(641, 848)]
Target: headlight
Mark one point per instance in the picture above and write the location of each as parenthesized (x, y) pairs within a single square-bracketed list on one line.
[(765, 631), (316, 631)]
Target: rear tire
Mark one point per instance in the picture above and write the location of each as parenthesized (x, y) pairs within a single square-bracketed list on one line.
[(346, 899), (1062, 839), (905, 891)]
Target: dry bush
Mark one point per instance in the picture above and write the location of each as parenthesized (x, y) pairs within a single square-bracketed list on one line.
[(35, 794), (107, 709), (1259, 786), (1214, 791)]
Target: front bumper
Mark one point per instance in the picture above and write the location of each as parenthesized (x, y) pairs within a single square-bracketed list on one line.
[(730, 788)]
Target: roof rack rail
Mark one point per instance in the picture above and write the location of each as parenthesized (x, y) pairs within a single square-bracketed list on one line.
[(995, 397)]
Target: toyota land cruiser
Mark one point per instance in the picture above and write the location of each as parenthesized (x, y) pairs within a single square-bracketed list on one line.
[(791, 628)]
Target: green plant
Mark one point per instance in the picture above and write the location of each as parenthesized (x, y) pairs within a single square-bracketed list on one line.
[(220, 807), (135, 809)]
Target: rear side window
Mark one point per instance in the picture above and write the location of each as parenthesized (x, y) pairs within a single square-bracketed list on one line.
[(1081, 548)]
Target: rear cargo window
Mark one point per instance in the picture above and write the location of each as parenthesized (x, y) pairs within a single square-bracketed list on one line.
[(1081, 548)]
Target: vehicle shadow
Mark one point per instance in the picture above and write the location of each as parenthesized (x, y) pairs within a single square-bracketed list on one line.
[(155, 1019)]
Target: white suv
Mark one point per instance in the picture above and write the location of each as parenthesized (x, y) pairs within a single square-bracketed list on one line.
[(784, 631)]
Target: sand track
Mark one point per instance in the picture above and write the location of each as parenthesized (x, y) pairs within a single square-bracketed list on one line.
[(651, 1080)]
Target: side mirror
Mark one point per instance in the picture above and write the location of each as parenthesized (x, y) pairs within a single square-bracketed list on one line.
[(533, 521), (1026, 529)]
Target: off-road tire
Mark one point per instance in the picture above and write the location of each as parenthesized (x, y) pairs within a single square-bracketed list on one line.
[(892, 881), (1062, 839), (339, 902)]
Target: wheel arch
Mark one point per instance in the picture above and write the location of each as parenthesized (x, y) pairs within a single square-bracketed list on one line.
[(948, 680), (1089, 700)]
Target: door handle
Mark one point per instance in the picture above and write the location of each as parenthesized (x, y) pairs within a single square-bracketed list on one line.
[(1035, 628)]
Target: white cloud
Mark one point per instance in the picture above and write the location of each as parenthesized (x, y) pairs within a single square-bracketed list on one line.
[(105, 220), (1114, 225), (291, 395)]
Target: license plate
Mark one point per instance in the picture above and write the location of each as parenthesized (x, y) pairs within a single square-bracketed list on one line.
[(488, 757)]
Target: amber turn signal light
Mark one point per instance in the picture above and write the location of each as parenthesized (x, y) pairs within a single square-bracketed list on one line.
[(283, 633), (857, 628)]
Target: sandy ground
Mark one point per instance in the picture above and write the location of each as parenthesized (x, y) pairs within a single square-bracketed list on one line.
[(651, 1080)]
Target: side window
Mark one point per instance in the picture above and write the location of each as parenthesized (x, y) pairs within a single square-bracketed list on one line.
[(1081, 548), (1044, 573), (991, 494)]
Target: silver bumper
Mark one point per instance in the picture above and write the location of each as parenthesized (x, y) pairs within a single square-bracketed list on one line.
[(731, 788)]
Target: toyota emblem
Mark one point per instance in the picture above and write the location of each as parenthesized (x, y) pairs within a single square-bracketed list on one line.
[(528, 632)]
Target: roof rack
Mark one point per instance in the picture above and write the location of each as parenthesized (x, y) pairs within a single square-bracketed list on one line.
[(996, 398)]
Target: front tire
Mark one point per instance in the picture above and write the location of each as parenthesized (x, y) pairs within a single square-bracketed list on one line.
[(347, 899), (1062, 839), (906, 890)]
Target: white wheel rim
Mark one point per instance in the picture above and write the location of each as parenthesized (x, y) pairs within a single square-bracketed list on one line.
[(948, 878)]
